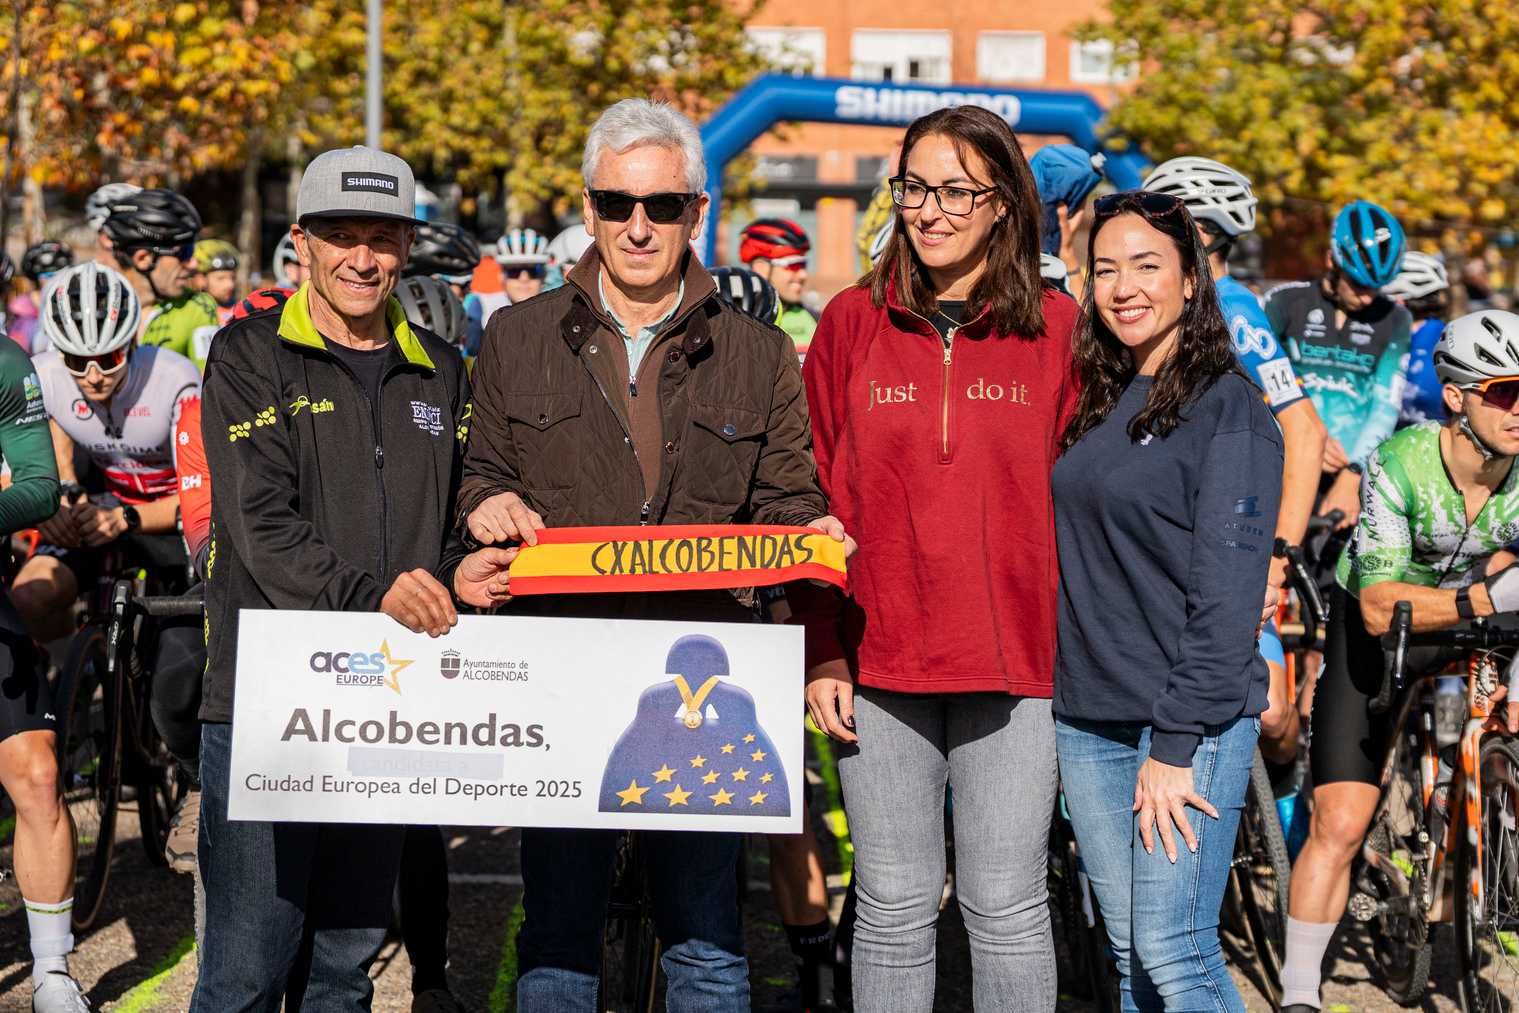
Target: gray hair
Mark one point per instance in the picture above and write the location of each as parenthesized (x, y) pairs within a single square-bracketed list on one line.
[(635, 122)]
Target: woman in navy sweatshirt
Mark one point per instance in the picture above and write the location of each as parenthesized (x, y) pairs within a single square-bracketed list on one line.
[(1165, 500)]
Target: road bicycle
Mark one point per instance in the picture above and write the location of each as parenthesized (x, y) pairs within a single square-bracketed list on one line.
[(108, 749), (1444, 840)]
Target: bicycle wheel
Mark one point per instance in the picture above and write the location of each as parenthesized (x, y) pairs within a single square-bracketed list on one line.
[(1387, 895), (89, 768), (1487, 937), (159, 789), (629, 948), (1262, 871)]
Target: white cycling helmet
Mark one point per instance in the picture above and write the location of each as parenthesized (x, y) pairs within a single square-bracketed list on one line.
[(89, 309), (1419, 275), (1052, 268), (522, 246), (570, 245), (284, 253), (430, 302), (881, 240), (98, 207), (1212, 191), (1479, 346)]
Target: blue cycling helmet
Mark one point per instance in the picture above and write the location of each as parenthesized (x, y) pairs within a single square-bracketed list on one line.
[(1367, 244)]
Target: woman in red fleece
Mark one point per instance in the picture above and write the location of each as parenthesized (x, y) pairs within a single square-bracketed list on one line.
[(939, 388)]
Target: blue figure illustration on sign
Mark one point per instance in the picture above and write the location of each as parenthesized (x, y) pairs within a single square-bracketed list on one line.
[(695, 745)]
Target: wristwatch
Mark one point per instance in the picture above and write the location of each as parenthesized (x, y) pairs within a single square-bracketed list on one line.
[(132, 517), (1279, 547), (1464, 607)]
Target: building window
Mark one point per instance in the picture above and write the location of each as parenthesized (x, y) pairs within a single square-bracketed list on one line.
[(1092, 63), (797, 51), (881, 55), (1010, 56)]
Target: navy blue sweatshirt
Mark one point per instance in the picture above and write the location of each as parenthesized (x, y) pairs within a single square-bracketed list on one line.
[(1164, 545)]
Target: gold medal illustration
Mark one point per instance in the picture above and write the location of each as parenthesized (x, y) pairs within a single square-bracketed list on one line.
[(694, 701)]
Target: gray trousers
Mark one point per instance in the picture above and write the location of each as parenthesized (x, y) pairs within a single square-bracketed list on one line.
[(997, 754)]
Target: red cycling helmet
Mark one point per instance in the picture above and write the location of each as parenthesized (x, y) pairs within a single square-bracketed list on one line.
[(772, 239), (260, 300)]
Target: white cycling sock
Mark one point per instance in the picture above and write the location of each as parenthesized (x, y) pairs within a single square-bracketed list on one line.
[(1304, 967), (52, 936)]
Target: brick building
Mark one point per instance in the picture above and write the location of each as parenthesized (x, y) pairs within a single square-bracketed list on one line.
[(820, 174)]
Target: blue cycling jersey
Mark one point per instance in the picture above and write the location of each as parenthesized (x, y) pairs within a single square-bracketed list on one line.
[(1422, 395), (1259, 352)]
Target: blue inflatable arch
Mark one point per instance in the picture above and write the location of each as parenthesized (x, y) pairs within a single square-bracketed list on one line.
[(775, 98)]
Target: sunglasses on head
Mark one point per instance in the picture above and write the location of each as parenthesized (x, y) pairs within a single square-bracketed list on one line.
[(108, 363), (1502, 393), (535, 271), (1146, 202), (662, 208)]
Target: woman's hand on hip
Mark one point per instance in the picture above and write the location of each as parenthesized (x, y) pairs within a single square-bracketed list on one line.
[(1161, 796), (830, 699)]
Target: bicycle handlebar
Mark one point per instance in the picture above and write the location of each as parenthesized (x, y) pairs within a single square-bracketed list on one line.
[(1314, 613), (1479, 636), (166, 606)]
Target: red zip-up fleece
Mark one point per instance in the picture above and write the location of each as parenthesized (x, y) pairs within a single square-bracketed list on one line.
[(938, 462)]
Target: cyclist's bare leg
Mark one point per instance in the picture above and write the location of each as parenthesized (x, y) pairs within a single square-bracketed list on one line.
[(1280, 722), (43, 592), (44, 848), (1308, 678)]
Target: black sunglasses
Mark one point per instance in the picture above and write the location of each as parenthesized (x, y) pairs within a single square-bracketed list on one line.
[(530, 270), (1147, 202), (662, 208)]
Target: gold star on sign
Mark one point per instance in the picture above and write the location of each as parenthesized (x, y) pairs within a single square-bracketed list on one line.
[(741, 774), (698, 761), (767, 779), (758, 798), (710, 777), (728, 748), (677, 797), (722, 797), (633, 794), (757, 756), (748, 739), (664, 773)]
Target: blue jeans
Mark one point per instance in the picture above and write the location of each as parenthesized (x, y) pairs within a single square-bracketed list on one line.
[(295, 912), (566, 880), (1162, 919)]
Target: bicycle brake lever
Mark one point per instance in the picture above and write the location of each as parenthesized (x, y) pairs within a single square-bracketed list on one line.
[(1396, 656)]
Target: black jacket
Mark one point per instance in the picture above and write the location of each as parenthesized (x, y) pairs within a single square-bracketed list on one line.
[(311, 510)]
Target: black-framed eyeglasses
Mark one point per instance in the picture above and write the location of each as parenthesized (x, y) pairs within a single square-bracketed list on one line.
[(1149, 203), (953, 200), (662, 208)]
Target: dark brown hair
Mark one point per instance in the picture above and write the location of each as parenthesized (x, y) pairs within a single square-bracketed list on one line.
[(1010, 287), (1204, 348)]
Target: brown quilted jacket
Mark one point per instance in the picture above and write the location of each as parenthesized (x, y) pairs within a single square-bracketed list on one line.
[(553, 423)]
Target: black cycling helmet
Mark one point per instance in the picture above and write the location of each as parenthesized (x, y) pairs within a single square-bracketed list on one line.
[(46, 257), (444, 250), (158, 220), (747, 292)]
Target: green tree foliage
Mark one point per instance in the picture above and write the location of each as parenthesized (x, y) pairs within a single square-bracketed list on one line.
[(1411, 105)]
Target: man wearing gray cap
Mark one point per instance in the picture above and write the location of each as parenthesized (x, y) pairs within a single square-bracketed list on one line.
[(303, 406)]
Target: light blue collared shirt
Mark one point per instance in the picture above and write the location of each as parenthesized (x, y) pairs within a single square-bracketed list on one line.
[(638, 344)]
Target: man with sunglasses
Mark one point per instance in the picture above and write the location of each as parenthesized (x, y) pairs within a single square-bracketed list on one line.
[(116, 403), (776, 250), (152, 235), (1439, 521), (634, 395)]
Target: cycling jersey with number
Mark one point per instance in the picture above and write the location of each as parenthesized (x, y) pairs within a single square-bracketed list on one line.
[(1256, 346), (1413, 525), (130, 437), (1354, 373), (184, 325)]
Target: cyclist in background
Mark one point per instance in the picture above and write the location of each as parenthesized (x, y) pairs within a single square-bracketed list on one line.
[(432, 302), (776, 250), (39, 263), (1440, 499), (152, 235), (1065, 175), (285, 266), (1423, 287), (565, 251), (216, 275), (1349, 344), (43, 849), (1223, 204), (447, 252), (97, 209), (116, 403), (524, 256)]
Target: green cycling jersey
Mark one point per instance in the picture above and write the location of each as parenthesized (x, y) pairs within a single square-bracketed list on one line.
[(173, 324), (797, 321), (1413, 520), (25, 443)]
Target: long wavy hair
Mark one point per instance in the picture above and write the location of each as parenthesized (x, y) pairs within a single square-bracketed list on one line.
[(1204, 348), (1010, 287)]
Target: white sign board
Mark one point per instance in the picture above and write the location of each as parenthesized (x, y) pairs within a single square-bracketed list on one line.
[(513, 721)]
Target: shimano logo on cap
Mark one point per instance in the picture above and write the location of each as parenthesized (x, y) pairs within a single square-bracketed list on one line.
[(370, 182)]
